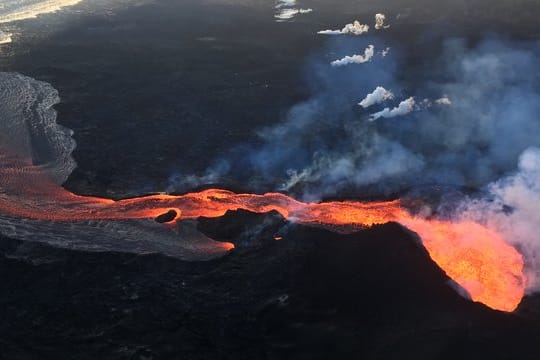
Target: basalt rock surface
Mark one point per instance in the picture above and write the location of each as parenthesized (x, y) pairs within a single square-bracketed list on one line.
[(315, 294)]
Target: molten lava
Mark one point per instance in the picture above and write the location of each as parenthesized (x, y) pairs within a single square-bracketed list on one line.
[(35, 157), (475, 257)]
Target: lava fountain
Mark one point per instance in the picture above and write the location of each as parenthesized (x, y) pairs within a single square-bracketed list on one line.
[(475, 257)]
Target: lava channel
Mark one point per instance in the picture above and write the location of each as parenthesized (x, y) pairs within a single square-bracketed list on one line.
[(475, 257)]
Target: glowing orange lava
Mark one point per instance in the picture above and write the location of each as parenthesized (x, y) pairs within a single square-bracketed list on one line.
[(474, 256)]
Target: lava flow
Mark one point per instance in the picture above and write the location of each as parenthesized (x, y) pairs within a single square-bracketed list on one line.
[(472, 255), (35, 157)]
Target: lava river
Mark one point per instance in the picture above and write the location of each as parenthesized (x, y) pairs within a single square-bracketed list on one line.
[(475, 257), (35, 158)]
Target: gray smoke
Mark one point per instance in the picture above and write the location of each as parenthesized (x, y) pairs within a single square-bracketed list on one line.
[(327, 144)]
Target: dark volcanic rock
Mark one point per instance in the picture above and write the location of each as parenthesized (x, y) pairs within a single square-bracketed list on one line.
[(375, 294), (166, 217), (244, 228)]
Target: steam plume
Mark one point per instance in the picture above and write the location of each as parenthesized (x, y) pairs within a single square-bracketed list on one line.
[(443, 101), (379, 95), (380, 22), (356, 28), (512, 208), (285, 3), (404, 107), (287, 14), (356, 59)]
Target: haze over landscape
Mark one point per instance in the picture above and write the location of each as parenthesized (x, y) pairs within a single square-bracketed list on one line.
[(207, 136)]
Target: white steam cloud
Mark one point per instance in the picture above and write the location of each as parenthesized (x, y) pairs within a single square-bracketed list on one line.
[(379, 95), (514, 211), (286, 10), (285, 3), (380, 20), (287, 14), (384, 159), (404, 107), (445, 100), (356, 59), (356, 28)]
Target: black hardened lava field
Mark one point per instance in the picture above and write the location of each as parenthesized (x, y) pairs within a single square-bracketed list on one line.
[(269, 179)]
